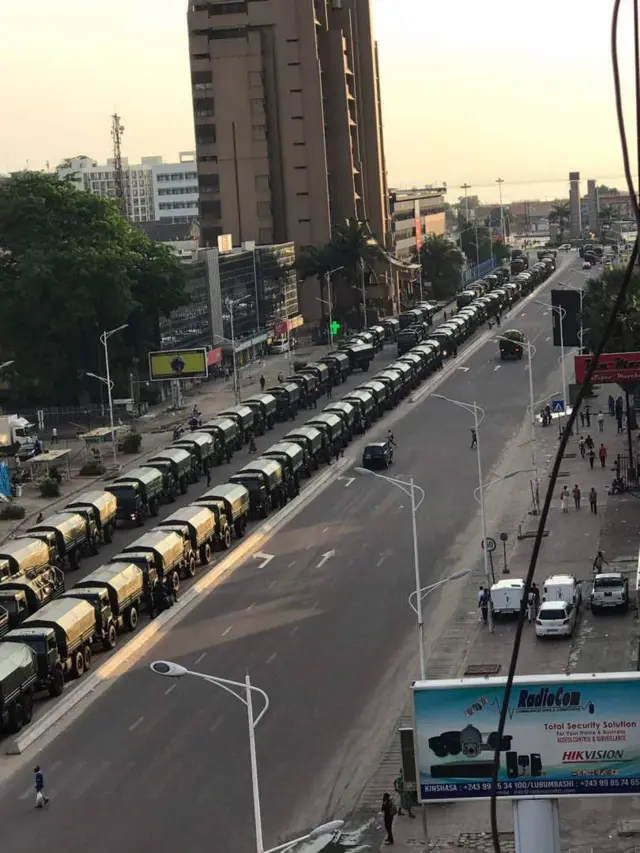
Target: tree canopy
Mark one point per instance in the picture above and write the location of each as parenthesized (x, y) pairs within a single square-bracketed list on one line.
[(600, 294), (560, 213), (441, 266), (70, 267)]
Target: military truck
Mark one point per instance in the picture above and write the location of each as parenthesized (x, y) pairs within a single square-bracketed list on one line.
[(138, 493), (73, 623), (99, 600), (229, 502), (226, 431), (244, 417), (339, 365), (348, 412), (18, 678), (266, 404), (311, 439), (264, 480), (309, 388), (381, 394), (178, 462), (23, 555), (4, 621), (332, 426), (360, 355), (101, 508), (201, 445), (168, 555), (124, 584), (198, 524), (365, 401), (291, 456), (394, 382), (72, 534), (287, 400), (321, 372), (23, 595)]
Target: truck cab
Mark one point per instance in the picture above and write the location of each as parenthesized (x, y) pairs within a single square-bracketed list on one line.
[(225, 430), (202, 446), (287, 400), (23, 595), (105, 622), (74, 535), (311, 439), (23, 555), (138, 494), (266, 405), (245, 419), (231, 501), (179, 461), (291, 457), (99, 507), (49, 668), (264, 480)]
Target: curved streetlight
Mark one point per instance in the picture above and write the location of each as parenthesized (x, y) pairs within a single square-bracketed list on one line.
[(104, 340), (329, 300), (561, 314), (231, 304), (427, 590), (7, 364), (479, 415), (169, 669)]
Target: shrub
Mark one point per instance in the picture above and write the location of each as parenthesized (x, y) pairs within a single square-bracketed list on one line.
[(92, 468), (131, 442), (11, 511), (49, 488)]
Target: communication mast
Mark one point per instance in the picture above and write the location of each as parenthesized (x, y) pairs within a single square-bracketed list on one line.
[(117, 129)]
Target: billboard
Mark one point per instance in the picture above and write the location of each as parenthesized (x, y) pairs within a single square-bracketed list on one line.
[(178, 364), (565, 736), (418, 225), (569, 300), (612, 367)]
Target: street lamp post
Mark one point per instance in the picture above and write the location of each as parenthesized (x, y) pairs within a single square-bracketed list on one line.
[(364, 294), (478, 416), (329, 300), (561, 315), (7, 364), (109, 384), (500, 182), (231, 304), (285, 320), (237, 689), (104, 338)]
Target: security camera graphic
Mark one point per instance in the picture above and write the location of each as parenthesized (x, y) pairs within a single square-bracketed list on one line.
[(469, 741), (178, 364)]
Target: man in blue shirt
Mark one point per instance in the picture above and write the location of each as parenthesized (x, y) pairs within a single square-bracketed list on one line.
[(41, 800)]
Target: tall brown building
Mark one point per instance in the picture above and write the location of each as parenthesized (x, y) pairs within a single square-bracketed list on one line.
[(288, 126)]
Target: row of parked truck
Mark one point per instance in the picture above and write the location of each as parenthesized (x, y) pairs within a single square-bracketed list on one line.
[(49, 629)]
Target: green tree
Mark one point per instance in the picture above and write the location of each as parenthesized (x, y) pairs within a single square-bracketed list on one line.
[(441, 266), (71, 266), (560, 213), (607, 215), (603, 189), (501, 252), (315, 262), (600, 295), (357, 252)]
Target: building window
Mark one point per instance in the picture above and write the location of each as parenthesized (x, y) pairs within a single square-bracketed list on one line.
[(295, 91), (211, 209), (201, 77), (297, 118), (238, 8), (191, 176), (264, 210), (208, 158), (234, 33), (196, 56), (203, 107), (300, 143), (293, 64), (299, 167), (205, 134), (304, 220), (302, 194), (203, 87)]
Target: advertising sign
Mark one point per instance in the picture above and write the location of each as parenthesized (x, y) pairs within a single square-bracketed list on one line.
[(566, 735), (214, 356), (618, 367), (418, 225), (178, 364)]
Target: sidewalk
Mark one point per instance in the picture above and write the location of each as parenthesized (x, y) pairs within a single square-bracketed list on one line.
[(608, 643)]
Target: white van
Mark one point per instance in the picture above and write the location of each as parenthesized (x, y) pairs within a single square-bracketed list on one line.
[(562, 588), (506, 597)]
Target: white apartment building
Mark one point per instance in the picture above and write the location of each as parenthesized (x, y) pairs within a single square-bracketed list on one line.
[(154, 191)]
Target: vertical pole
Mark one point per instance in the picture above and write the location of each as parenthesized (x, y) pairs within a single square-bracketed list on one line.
[(114, 443), (565, 390), (485, 553), (500, 181), (536, 491), (416, 565), (236, 389), (536, 825), (364, 295), (254, 767), (289, 347), (477, 245), (255, 290), (329, 300), (629, 438), (133, 397)]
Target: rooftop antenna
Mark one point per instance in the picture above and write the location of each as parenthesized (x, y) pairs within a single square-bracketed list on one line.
[(117, 129)]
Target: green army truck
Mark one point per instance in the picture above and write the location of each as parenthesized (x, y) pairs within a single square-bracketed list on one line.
[(198, 524), (311, 439), (178, 462), (201, 445), (73, 535), (264, 480), (23, 595), (291, 456), (266, 404), (230, 504), (226, 431), (124, 584), (138, 494), (101, 507), (23, 555), (165, 552), (18, 678)]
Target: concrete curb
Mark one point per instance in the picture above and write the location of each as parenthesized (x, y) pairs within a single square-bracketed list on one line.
[(153, 632)]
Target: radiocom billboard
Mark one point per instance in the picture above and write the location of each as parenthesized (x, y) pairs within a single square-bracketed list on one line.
[(565, 736), (178, 364)]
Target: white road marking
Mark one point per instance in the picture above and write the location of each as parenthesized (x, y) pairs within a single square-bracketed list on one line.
[(326, 556), (497, 367), (293, 630), (547, 339), (291, 564), (215, 725), (324, 529), (251, 606), (224, 633), (272, 658), (524, 314), (266, 559), (170, 689), (347, 481), (136, 724), (463, 368), (200, 657), (273, 583)]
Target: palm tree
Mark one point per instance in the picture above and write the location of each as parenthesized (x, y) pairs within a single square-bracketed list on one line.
[(316, 262), (607, 214), (357, 252), (441, 265), (561, 213)]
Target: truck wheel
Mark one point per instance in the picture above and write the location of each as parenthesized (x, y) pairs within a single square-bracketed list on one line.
[(226, 539), (27, 707), (108, 534), (78, 664), (87, 658), (56, 685), (111, 639), (190, 567), (176, 581), (132, 619), (205, 554), (16, 718), (240, 527), (183, 485), (265, 507), (95, 544), (74, 558)]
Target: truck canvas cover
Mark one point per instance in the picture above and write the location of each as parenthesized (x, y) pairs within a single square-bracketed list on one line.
[(148, 476), (198, 517), (104, 502), (72, 615), (25, 554), (200, 440), (244, 413), (334, 422), (349, 409), (164, 542), (266, 400), (227, 426), (232, 493), (17, 669), (70, 525), (287, 448), (362, 396), (311, 434), (125, 578), (269, 467), (179, 456)]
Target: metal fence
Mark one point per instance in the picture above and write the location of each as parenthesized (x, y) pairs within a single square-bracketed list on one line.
[(472, 273)]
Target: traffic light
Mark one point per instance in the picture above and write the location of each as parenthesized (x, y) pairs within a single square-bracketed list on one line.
[(335, 327)]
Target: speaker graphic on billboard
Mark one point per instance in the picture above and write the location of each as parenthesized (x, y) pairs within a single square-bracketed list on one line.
[(569, 300)]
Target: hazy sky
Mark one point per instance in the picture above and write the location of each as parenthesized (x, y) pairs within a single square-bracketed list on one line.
[(471, 90)]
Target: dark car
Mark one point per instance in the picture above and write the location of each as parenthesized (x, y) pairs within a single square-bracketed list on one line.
[(378, 454), (511, 344)]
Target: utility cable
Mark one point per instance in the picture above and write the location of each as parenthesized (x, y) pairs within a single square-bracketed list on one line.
[(617, 307)]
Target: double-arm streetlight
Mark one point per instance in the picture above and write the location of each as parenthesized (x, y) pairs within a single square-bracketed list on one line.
[(231, 304), (243, 692), (7, 364), (329, 300), (561, 315), (104, 340), (478, 416)]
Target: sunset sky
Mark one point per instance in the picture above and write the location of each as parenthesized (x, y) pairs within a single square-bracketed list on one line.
[(471, 90)]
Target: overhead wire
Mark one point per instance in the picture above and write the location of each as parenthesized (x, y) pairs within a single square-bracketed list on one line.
[(617, 307)]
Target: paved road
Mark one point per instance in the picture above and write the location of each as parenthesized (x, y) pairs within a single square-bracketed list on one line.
[(154, 764)]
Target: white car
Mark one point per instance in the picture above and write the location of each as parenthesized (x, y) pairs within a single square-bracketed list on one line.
[(556, 619), (586, 265), (280, 345), (610, 591)]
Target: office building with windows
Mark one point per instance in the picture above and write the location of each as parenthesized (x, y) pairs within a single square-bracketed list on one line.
[(288, 128), (415, 214), (154, 191)]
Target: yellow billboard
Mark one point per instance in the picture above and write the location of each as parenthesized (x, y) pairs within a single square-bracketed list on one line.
[(178, 364)]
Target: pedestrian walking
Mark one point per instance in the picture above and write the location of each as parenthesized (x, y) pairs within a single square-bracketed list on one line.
[(599, 563), (531, 606), (252, 445), (581, 418), (54, 435), (587, 416), (564, 499), (474, 438), (536, 594), (582, 447), (263, 382), (577, 496), (593, 501), (41, 799), (483, 601), (389, 812), (336, 449), (612, 405), (404, 796), (592, 457), (329, 391), (444, 313), (207, 471), (589, 442), (281, 377), (620, 426), (602, 454), (600, 421)]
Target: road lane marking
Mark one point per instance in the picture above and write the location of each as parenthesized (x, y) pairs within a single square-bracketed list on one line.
[(199, 658), (273, 583), (216, 724), (224, 633), (251, 606), (547, 339), (293, 630), (324, 530), (291, 564), (347, 481), (497, 367), (326, 556), (135, 725), (465, 369), (266, 558), (170, 689), (273, 657)]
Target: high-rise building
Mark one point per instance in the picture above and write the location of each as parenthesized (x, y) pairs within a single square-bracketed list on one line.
[(153, 190), (415, 214), (575, 208), (287, 114)]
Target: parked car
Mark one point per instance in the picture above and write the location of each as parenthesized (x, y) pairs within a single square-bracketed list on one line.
[(378, 454), (610, 590), (556, 619)]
